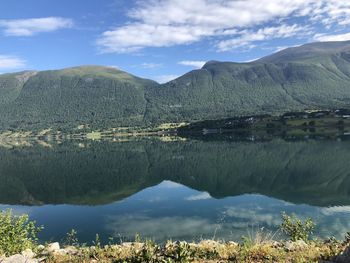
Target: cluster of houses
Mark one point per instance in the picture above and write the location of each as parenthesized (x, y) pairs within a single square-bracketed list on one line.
[(216, 126), (308, 114)]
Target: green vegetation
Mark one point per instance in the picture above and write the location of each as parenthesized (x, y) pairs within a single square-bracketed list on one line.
[(312, 172), (295, 228), (273, 85), (99, 96), (71, 238), (298, 125), (205, 251), (17, 233), (256, 249), (314, 76)]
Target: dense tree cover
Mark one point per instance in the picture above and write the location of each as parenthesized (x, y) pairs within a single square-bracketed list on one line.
[(313, 76), (312, 172), (86, 95)]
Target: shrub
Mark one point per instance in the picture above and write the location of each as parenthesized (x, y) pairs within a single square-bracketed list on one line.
[(17, 233), (295, 228), (71, 238)]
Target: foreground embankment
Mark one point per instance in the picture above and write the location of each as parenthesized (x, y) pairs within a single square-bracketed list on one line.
[(256, 250)]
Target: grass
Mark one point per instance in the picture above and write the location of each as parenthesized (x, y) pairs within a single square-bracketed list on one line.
[(94, 136), (205, 251)]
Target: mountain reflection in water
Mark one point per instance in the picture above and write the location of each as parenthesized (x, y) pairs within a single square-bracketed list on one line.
[(177, 189)]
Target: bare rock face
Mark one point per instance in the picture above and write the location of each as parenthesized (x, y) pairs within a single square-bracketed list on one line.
[(25, 76)]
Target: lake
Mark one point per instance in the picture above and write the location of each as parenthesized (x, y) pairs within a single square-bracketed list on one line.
[(183, 189)]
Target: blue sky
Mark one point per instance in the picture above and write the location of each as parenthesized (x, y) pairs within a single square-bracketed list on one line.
[(160, 39)]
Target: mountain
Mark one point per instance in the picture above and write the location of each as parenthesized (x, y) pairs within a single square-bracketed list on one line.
[(310, 76), (315, 75), (309, 172), (88, 94)]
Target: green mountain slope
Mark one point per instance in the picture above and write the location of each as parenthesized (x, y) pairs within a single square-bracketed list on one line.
[(89, 94), (313, 76), (11, 85), (311, 172)]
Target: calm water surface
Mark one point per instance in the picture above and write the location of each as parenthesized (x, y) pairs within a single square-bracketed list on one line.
[(183, 190)]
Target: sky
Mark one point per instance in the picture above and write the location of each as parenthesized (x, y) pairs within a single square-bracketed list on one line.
[(160, 39)]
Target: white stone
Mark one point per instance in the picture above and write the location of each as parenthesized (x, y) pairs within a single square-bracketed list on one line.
[(41, 247), (301, 244), (297, 245), (53, 247), (28, 253), (232, 243), (71, 250), (209, 243), (18, 258), (59, 252)]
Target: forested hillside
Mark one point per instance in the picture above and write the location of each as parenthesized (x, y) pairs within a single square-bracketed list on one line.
[(313, 76), (312, 172)]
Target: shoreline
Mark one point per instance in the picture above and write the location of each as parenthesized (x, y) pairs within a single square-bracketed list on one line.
[(250, 250)]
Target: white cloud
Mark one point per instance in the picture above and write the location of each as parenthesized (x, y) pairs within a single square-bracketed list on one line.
[(335, 209), (201, 196), (33, 26), (339, 37), (150, 65), (195, 64), (165, 78), (246, 38), (11, 62), (331, 12), (163, 23), (115, 67), (160, 228)]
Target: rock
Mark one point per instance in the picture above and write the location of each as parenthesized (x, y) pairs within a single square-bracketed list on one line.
[(42, 259), (18, 258), (71, 250), (114, 247), (209, 243), (60, 252), (276, 244), (297, 245), (53, 247), (344, 257), (133, 245), (193, 245), (28, 253), (41, 247), (232, 243), (130, 244), (301, 244)]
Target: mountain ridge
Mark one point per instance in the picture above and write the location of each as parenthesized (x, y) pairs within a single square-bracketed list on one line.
[(315, 75)]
